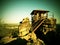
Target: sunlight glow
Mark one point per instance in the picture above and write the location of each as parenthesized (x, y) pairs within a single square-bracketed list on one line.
[(15, 16)]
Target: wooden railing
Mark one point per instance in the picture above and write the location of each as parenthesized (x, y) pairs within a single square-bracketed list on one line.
[(38, 25)]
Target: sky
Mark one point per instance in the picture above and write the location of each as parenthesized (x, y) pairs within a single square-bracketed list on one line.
[(13, 11)]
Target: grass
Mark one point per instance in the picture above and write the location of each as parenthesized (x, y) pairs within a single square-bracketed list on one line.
[(4, 31)]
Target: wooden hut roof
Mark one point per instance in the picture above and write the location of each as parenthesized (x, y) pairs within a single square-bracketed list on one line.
[(40, 11)]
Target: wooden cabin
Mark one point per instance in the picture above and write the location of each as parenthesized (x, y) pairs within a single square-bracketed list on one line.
[(39, 15), (40, 21)]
